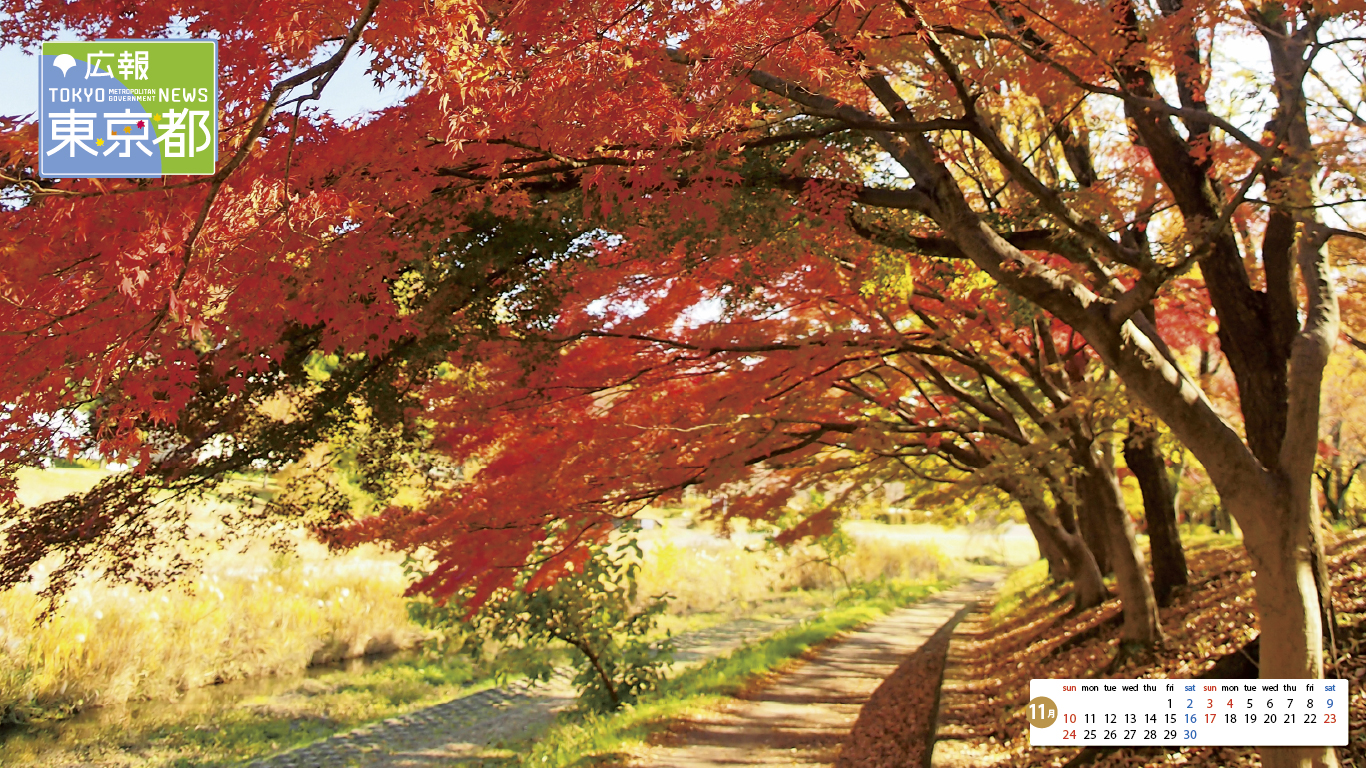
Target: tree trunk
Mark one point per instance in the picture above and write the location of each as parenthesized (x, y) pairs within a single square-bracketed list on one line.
[(1334, 500), (1327, 484), (1092, 529), (1049, 549), (1089, 588), (1067, 513), (1336, 479), (1169, 561), (1274, 459), (1076, 521), (1174, 486), (1288, 603), (1102, 498), (1086, 579)]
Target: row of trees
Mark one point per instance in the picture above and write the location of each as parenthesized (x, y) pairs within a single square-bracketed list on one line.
[(612, 249)]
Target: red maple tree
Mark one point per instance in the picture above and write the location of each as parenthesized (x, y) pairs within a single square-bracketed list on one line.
[(149, 321)]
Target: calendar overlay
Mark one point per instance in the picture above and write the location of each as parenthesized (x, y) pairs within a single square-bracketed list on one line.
[(1254, 713)]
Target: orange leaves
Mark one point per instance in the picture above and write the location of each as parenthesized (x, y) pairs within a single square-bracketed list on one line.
[(750, 378), (609, 263)]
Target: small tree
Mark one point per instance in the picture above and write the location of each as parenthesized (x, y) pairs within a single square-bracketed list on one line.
[(593, 609)]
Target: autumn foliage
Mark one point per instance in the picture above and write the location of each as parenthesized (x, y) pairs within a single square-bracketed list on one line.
[(609, 250)]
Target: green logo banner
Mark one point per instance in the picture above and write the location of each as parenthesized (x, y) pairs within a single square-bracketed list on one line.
[(128, 108)]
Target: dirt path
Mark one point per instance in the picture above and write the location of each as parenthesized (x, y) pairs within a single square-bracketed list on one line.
[(959, 743), (802, 718), (469, 730)]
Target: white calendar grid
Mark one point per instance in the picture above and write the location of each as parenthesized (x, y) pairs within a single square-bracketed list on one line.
[(1188, 713)]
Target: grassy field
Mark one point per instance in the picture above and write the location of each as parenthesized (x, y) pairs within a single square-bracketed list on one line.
[(144, 668), (226, 725), (249, 612), (1006, 544), (246, 614)]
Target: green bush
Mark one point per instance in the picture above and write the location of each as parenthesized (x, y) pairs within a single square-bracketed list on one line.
[(594, 610)]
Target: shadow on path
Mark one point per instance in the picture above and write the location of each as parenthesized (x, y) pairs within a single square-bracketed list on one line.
[(805, 716)]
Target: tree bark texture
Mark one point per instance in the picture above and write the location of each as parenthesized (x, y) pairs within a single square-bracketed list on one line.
[(1169, 560), (1089, 587), (1086, 577), (1049, 549), (1102, 499), (1092, 527)]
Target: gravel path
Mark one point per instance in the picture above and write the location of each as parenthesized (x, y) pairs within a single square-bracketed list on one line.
[(804, 717), (469, 730)]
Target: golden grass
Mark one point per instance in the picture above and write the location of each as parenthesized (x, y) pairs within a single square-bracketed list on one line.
[(252, 612), (724, 578), (986, 543), (248, 612), (37, 486), (718, 575), (876, 558), (245, 614)]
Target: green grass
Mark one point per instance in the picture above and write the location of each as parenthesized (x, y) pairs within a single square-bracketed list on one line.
[(249, 614), (1018, 586), (223, 730), (579, 739), (1195, 537), (1023, 583)]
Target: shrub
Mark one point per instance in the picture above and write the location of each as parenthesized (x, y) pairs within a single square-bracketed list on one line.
[(594, 610)]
